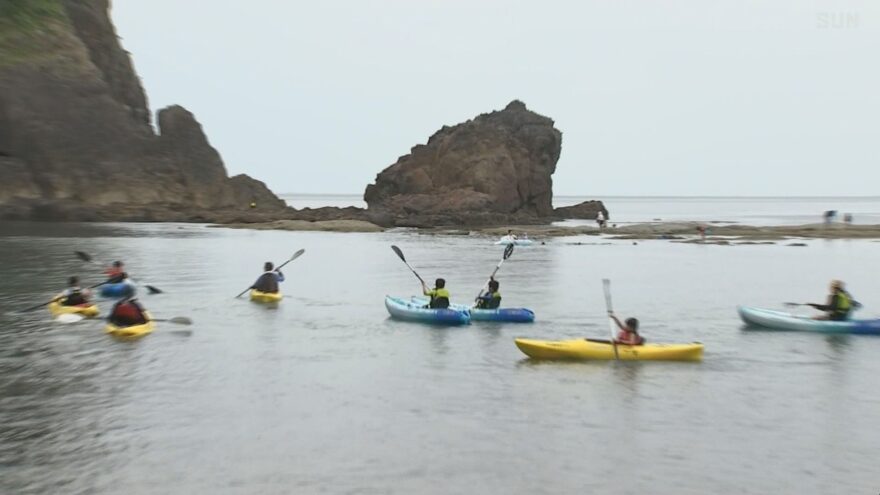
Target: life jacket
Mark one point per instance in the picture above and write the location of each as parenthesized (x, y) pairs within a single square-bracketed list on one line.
[(116, 276), (127, 313), (439, 298), (73, 297), (268, 282), (489, 301), (842, 305), (629, 338)]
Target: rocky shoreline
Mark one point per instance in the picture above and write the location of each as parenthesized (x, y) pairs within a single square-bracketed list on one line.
[(681, 232)]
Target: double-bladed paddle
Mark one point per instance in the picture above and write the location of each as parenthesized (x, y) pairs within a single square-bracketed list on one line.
[(25, 310), (606, 286), (74, 317), (507, 252), (402, 258), (295, 256), (88, 259)]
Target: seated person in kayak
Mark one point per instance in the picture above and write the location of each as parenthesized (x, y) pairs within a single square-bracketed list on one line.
[(268, 281), (839, 305), (491, 299), (629, 332), (439, 295), (127, 312), (73, 295), (116, 273)]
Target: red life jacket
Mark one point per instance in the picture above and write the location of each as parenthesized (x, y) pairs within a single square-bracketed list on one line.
[(127, 311)]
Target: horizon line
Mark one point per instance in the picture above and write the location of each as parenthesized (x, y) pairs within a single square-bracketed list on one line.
[(630, 196)]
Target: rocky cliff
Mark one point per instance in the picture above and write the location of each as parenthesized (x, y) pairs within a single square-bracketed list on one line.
[(493, 169), (76, 140)]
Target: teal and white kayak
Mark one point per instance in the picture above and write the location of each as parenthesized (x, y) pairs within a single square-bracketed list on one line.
[(415, 310), (779, 320), (517, 242), (508, 315)]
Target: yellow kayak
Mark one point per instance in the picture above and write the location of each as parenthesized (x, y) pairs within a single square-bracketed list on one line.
[(131, 331), (265, 297), (602, 349), (87, 310)]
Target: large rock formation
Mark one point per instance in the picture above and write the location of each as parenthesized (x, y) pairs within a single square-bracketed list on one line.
[(493, 169), (75, 135)]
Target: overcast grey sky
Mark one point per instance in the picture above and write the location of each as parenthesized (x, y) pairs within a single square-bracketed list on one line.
[(686, 97)]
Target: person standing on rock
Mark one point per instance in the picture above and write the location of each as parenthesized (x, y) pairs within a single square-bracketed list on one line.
[(600, 219)]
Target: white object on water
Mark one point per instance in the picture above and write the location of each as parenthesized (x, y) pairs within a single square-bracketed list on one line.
[(516, 242), (69, 318)]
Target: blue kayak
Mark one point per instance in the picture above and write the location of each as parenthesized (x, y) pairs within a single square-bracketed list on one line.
[(779, 320), (511, 315), (415, 310), (121, 289)]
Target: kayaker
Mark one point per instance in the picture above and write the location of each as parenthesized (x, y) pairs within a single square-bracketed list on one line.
[(127, 312), (73, 295), (491, 298), (629, 332), (115, 273), (840, 303), (439, 295), (268, 281), (510, 235)]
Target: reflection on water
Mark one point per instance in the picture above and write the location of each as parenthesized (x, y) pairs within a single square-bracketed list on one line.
[(325, 393)]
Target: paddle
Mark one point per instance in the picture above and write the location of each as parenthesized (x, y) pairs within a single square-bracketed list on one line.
[(25, 310), (402, 258), (507, 252), (295, 256), (88, 259), (606, 285), (73, 318)]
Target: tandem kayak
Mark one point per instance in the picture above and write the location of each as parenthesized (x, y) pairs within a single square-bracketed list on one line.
[(510, 315), (588, 349), (266, 297), (122, 289), (88, 310), (131, 331), (779, 320), (415, 310), (516, 242)]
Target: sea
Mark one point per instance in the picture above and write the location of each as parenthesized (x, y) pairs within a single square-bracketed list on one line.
[(325, 393)]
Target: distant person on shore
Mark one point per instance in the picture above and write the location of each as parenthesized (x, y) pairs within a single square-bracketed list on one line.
[(829, 216), (629, 331), (839, 305), (491, 298), (439, 295), (73, 295), (600, 219), (701, 229), (847, 218), (269, 280)]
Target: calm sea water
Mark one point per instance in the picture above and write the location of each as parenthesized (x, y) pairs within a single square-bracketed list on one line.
[(326, 394), (626, 209)]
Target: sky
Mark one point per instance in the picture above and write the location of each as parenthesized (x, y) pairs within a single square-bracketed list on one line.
[(658, 98)]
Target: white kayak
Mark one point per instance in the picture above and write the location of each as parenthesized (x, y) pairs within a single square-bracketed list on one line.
[(516, 242)]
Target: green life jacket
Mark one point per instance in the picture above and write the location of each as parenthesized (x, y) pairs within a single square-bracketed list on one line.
[(439, 298), (843, 304)]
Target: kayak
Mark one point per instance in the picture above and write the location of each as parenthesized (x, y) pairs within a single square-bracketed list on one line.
[(510, 315), (588, 349), (88, 310), (131, 331), (515, 242), (779, 320), (121, 289), (415, 310), (266, 297)]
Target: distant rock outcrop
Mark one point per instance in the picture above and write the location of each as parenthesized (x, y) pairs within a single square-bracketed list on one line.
[(75, 134), (588, 210), (493, 169)]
